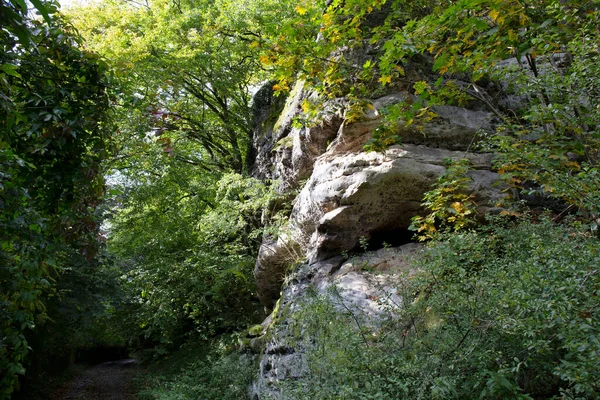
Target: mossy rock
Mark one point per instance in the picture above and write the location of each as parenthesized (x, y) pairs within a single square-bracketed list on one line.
[(252, 345), (290, 105), (244, 344), (284, 143), (255, 330), (275, 311)]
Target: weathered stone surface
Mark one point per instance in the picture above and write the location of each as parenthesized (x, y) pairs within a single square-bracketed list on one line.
[(365, 285), (454, 128), (266, 109), (296, 156), (275, 257), (352, 195), (287, 153)]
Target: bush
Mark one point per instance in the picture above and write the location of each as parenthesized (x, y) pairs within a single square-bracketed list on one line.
[(507, 312), (198, 373)]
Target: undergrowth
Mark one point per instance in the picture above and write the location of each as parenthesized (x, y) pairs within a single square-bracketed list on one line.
[(510, 311), (201, 371)]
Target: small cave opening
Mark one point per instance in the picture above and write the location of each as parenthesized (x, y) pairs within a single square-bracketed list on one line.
[(390, 237)]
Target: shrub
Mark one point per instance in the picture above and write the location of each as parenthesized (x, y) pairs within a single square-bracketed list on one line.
[(450, 206), (198, 373), (506, 312)]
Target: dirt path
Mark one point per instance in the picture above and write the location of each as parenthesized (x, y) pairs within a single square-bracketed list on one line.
[(107, 381)]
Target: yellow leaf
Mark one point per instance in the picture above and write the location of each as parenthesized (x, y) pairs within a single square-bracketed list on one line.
[(385, 79), (254, 45), (524, 19), (572, 164), (510, 213), (305, 106), (300, 10), (494, 14), (280, 88)]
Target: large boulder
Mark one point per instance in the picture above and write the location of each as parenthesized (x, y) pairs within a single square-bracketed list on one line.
[(357, 197)]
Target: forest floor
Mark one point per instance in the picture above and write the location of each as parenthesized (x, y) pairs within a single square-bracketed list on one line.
[(107, 381)]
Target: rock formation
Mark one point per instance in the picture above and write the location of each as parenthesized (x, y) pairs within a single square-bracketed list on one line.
[(351, 198)]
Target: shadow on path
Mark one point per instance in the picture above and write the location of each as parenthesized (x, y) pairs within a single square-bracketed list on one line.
[(107, 381)]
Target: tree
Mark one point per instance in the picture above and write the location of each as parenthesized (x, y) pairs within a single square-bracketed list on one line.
[(188, 76), (53, 138), (187, 242), (185, 224)]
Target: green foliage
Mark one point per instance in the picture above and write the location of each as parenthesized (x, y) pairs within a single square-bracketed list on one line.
[(53, 136), (507, 312), (183, 223), (188, 242), (450, 206), (198, 373), (186, 68), (344, 356), (552, 140), (385, 135), (504, 313), (518, 301)]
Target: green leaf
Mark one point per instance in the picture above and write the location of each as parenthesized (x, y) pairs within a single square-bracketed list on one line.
[(10, 69), (41, 7), (441, 61), (23, 5)]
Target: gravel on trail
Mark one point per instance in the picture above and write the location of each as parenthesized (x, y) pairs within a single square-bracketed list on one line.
[(107, 381)]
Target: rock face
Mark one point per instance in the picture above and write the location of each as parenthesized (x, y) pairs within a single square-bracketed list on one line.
[(356, 195), (274, 259), (285, 152), (351, 199), (350, 285), (353, 195)]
